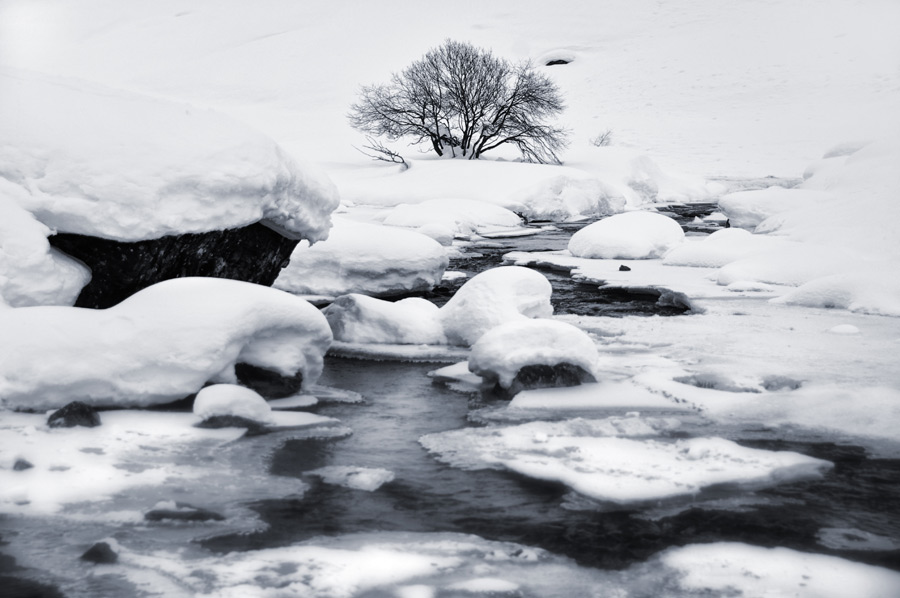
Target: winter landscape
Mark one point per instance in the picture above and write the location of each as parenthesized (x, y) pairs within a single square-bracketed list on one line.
[(255, 341)]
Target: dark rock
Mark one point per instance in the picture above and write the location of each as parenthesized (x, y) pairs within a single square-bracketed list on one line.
[(21, 465), (183, 512), (74, 414), (254, 253), (557, 61), (543, 376), (624, 268), (100, 553), (254, 428), (267, 383)]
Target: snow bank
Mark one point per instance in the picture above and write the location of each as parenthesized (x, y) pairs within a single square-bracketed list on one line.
[(791, 264), (502, 351), (567, 197), (494, 297), (31, 272), (460, 216), (865, 292), (730, 568), (111, 164), (747, 209), (590, 457), (364, 258), (159, 345), (632, 235), (358, 318), (721, 248), (231, 399)]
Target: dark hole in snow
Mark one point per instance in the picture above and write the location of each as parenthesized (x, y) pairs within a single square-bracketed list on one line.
[(557, 61)]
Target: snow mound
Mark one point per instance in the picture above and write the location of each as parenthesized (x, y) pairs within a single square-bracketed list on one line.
[(865, 292), (720, 248), (502, 351), (159, 345), (747, 209), (590, 457), (567, 197), (734, 569), (364, 258), (632, 235), (358, 318), (461, 216), (792, 264), (494, 297), (111, 164), (32, 272), (231, 399)]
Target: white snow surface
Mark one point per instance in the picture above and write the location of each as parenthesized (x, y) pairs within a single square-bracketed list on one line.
[(632, 235), (494, 297), (367, 258), (32, 272), (505, 349), (358, 318), (117, 165), (159, 345), (459, 216), (744, 570), (231, 399), (597, 459), (747, 209)]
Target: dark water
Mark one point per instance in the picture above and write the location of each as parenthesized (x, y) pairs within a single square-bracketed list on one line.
[(861, 494)]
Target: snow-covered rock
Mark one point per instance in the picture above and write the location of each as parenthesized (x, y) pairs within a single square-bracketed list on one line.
[(117, 165), (364, 258), (461, 216), (590, 457), (494, 297), (31, 272), (159, 345), (503, 351), (233, 400), (356, 318), (632, 235)]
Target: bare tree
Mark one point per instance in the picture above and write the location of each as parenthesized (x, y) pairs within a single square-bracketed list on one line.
[(464, 101)]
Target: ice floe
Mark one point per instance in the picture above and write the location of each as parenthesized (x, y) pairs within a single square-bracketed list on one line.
[(597, 459)]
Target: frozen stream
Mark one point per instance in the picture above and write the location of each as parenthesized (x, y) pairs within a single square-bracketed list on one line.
[(272, 495)]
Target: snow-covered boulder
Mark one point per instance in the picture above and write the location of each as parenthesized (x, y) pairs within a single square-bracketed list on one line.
[(117, 165), (365, 258), (159, 345), (500, 355), (31, 272), (632, 235), (494, 297), (231, 400), (356, 318), (461, 216)]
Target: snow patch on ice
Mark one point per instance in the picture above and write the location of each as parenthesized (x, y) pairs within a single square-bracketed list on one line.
[(356, 478)]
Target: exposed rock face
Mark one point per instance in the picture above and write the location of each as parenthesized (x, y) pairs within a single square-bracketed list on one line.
[(544, 376), (254, 253), (74, 414), (100, 553), (267, 383)]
